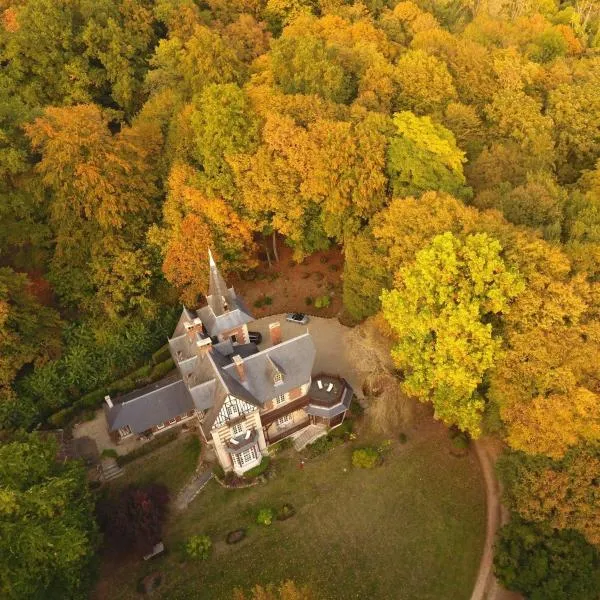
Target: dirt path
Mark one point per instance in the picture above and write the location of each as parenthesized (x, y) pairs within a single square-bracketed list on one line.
[(486, 585)]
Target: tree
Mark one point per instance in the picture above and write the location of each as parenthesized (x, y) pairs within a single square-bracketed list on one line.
[(286, 591), (562, 492), (423, 156), (133, 523), (575, 111), (29, 331), (223, 125), (307, 65), (47, 529), (425, 85), (545, 564), (442, 310), (191, 64), (193, 224), (103, 187)]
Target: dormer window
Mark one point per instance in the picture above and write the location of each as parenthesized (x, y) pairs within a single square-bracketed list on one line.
[(277, 378)]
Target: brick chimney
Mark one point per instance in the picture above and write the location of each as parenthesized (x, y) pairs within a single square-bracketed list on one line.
[(275, 331), (192, 328), (203, 346), (108, 401), (238, 361)]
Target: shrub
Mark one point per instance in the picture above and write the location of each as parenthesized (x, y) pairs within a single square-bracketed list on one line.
[(334, 267), (356, 409), (343, 431), (403, 438), (324, 260), (140, 373), (285, 512), (62, 417), (161, 369), (162, 354), (93, 399), (150, 446), (267, 300), (109, 453), (460, 439), (259, 469), (322, 445), (366, 458), (265, 516), (284, 444), (322, 301), (308, 300), (121, 386), (198, 547)]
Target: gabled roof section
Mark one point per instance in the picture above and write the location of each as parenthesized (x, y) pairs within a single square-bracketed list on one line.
[(186, 316), (150, 406), (294, 358), (216, 324)]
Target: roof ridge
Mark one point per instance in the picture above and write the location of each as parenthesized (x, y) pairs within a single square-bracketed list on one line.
[(149, 393), (266, 350)]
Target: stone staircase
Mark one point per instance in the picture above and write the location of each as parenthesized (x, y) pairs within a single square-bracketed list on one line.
[(110, 469), (308, 435)]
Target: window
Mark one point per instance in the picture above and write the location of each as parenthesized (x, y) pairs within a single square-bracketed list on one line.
[(280, 399), (277, 378), (232, 410), (171, 421), (248, 455), (125, 431), (245, 457), (237, 429), (160, 426), (285, 420)]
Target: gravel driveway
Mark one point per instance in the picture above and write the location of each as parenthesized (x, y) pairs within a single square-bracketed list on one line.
[(329, 338)]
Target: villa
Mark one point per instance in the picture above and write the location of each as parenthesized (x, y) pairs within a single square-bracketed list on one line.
[(243, 397)]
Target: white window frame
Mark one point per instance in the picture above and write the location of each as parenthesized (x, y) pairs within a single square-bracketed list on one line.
[(172, 421), (285, 420), (280, 399), (125, 431), (238, 429), (277, 378), (160, 426), (232, 410)]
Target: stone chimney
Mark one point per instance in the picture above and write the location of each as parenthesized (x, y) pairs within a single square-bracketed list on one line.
[(203, 346), (108, 401), (238, 361), (275, 331)]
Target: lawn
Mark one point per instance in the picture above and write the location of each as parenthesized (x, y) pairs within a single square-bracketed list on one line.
[(172, 465), (412, 529)]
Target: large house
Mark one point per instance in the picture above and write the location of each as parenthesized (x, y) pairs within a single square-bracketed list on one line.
[(244, 398)]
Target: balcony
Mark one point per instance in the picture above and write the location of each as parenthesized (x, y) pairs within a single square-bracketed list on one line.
[(289, 407), (283, 433)]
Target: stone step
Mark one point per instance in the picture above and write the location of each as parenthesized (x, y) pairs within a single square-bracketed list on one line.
[(309, 435), (111, 470)]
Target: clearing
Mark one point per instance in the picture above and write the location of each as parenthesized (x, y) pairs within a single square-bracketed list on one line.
[(412, 529)]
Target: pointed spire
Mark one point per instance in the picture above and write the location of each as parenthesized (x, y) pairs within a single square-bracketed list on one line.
[(217, 288)]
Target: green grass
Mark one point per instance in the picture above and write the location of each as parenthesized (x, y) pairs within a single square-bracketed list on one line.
[(172, 465), (412, 529)]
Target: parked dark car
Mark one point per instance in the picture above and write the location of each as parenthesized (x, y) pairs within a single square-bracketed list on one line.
[(299, 318), (255, 337)]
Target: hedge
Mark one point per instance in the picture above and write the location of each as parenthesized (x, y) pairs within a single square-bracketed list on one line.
[(259, 469), (62, 417), (162, 440), (161, 369), (161, 354)]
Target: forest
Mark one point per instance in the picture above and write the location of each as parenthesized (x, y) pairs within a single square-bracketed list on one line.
[(451, 148)]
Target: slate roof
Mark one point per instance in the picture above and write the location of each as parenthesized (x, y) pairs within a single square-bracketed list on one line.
[(336, 409), (150, 407), (294, 358)]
